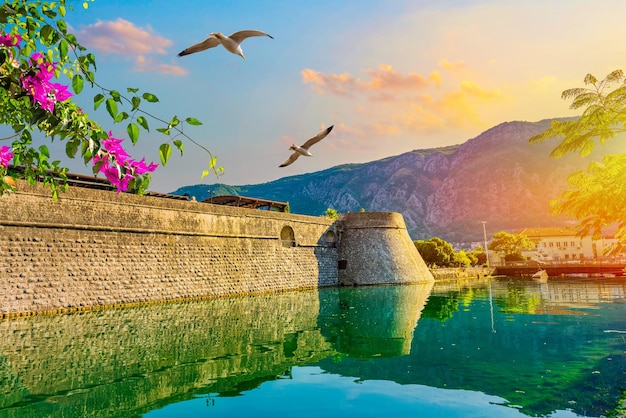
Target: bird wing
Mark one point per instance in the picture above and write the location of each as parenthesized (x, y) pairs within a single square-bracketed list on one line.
[(243, 34), (317, 138), (293, 157), (210, 42)]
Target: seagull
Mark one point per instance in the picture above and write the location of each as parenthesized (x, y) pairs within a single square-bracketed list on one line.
[(304, 149), (232, 43)]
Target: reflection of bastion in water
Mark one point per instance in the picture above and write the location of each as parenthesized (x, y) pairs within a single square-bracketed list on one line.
[(125, 362), (372, 321)]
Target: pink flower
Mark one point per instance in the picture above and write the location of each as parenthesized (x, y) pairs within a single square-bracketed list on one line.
[(40, 88), (10, 40), (6, 155), (117, 165)]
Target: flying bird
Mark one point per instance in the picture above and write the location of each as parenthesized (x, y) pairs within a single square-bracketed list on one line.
[(304, 148), (232, 43)]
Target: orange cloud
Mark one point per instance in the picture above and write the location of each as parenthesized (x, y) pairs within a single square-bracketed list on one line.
[(382, 81), (397, 104), (122, 37)]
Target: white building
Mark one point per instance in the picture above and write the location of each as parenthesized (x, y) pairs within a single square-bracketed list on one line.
[(562, 245)]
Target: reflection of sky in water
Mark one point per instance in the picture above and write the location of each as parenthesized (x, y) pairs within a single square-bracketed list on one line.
[(339, 396)]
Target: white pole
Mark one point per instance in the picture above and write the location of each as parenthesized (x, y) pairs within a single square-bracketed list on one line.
[(485, 236)]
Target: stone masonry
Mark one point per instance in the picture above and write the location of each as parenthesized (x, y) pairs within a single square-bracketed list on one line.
[(94, 248)]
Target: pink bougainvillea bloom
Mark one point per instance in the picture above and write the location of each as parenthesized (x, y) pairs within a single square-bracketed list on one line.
[(117, 165), (6, 155), (60, 92), (114, 147), (40, 88), (9, 40), (140, 167)]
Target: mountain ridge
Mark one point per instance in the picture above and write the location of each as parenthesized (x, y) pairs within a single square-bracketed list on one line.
[(497, 177)]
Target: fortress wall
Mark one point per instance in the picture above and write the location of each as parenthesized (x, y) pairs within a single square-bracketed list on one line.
[(376, 249), (95, 248)]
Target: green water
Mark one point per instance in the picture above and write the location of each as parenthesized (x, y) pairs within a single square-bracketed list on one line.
[(499, 347)]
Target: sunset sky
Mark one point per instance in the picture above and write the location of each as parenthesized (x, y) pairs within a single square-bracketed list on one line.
[(391, 75)]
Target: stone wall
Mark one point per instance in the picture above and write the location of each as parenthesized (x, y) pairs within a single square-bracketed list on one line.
[(95, 248), (376, 248)]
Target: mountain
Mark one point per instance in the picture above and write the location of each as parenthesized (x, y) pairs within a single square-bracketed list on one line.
[(497, 177)]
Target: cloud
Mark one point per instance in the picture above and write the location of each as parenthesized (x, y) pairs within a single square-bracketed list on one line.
[(389, 103), (123, 37), (384, 79), (143, 64)]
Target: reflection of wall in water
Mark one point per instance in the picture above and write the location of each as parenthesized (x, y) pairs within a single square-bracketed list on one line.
[(378, 320), (128, 361)]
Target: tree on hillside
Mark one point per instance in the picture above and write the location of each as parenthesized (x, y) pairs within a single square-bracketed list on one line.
[(597, 196), (510, 246)]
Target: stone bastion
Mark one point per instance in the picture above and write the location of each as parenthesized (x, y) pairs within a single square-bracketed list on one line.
[(95, 248)]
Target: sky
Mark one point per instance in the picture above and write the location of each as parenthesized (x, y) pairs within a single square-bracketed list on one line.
[(391, 75)]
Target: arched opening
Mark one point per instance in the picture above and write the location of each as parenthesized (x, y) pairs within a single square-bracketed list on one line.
[(330, 239), (287, 237)]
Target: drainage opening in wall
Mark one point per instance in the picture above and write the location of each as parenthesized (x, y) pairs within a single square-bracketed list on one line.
[(342, 264), (287, 237)]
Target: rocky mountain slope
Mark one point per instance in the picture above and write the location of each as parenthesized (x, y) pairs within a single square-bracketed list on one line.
[(497, 177)]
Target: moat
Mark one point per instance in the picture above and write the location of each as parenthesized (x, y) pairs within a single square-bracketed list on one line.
[(484, 347)]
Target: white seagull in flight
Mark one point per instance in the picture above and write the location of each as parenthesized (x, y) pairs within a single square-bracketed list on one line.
[(232, 43), (304, 149)]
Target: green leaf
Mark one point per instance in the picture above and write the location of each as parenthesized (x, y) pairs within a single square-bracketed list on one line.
[(164, 131), (204, 174), (143, 122), (71, 148), (44, 151), (97, 101), (46, 33), (212, 162), (179, 144), (133, 132), (77, 83), (63, 48), (193, 121), (116, 96), (136, 101), (150, 97), (111, 107), (62, 26), (120, 117), (132, 89), (165, 150)]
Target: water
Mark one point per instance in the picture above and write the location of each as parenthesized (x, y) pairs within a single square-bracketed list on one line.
[(500, 347)]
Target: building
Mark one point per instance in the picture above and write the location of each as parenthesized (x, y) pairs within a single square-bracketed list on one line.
[(562, 245)]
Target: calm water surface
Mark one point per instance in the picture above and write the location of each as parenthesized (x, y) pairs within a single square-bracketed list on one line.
[(500, 347)]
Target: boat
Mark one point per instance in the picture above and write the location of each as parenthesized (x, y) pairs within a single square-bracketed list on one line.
[(540, 276)]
